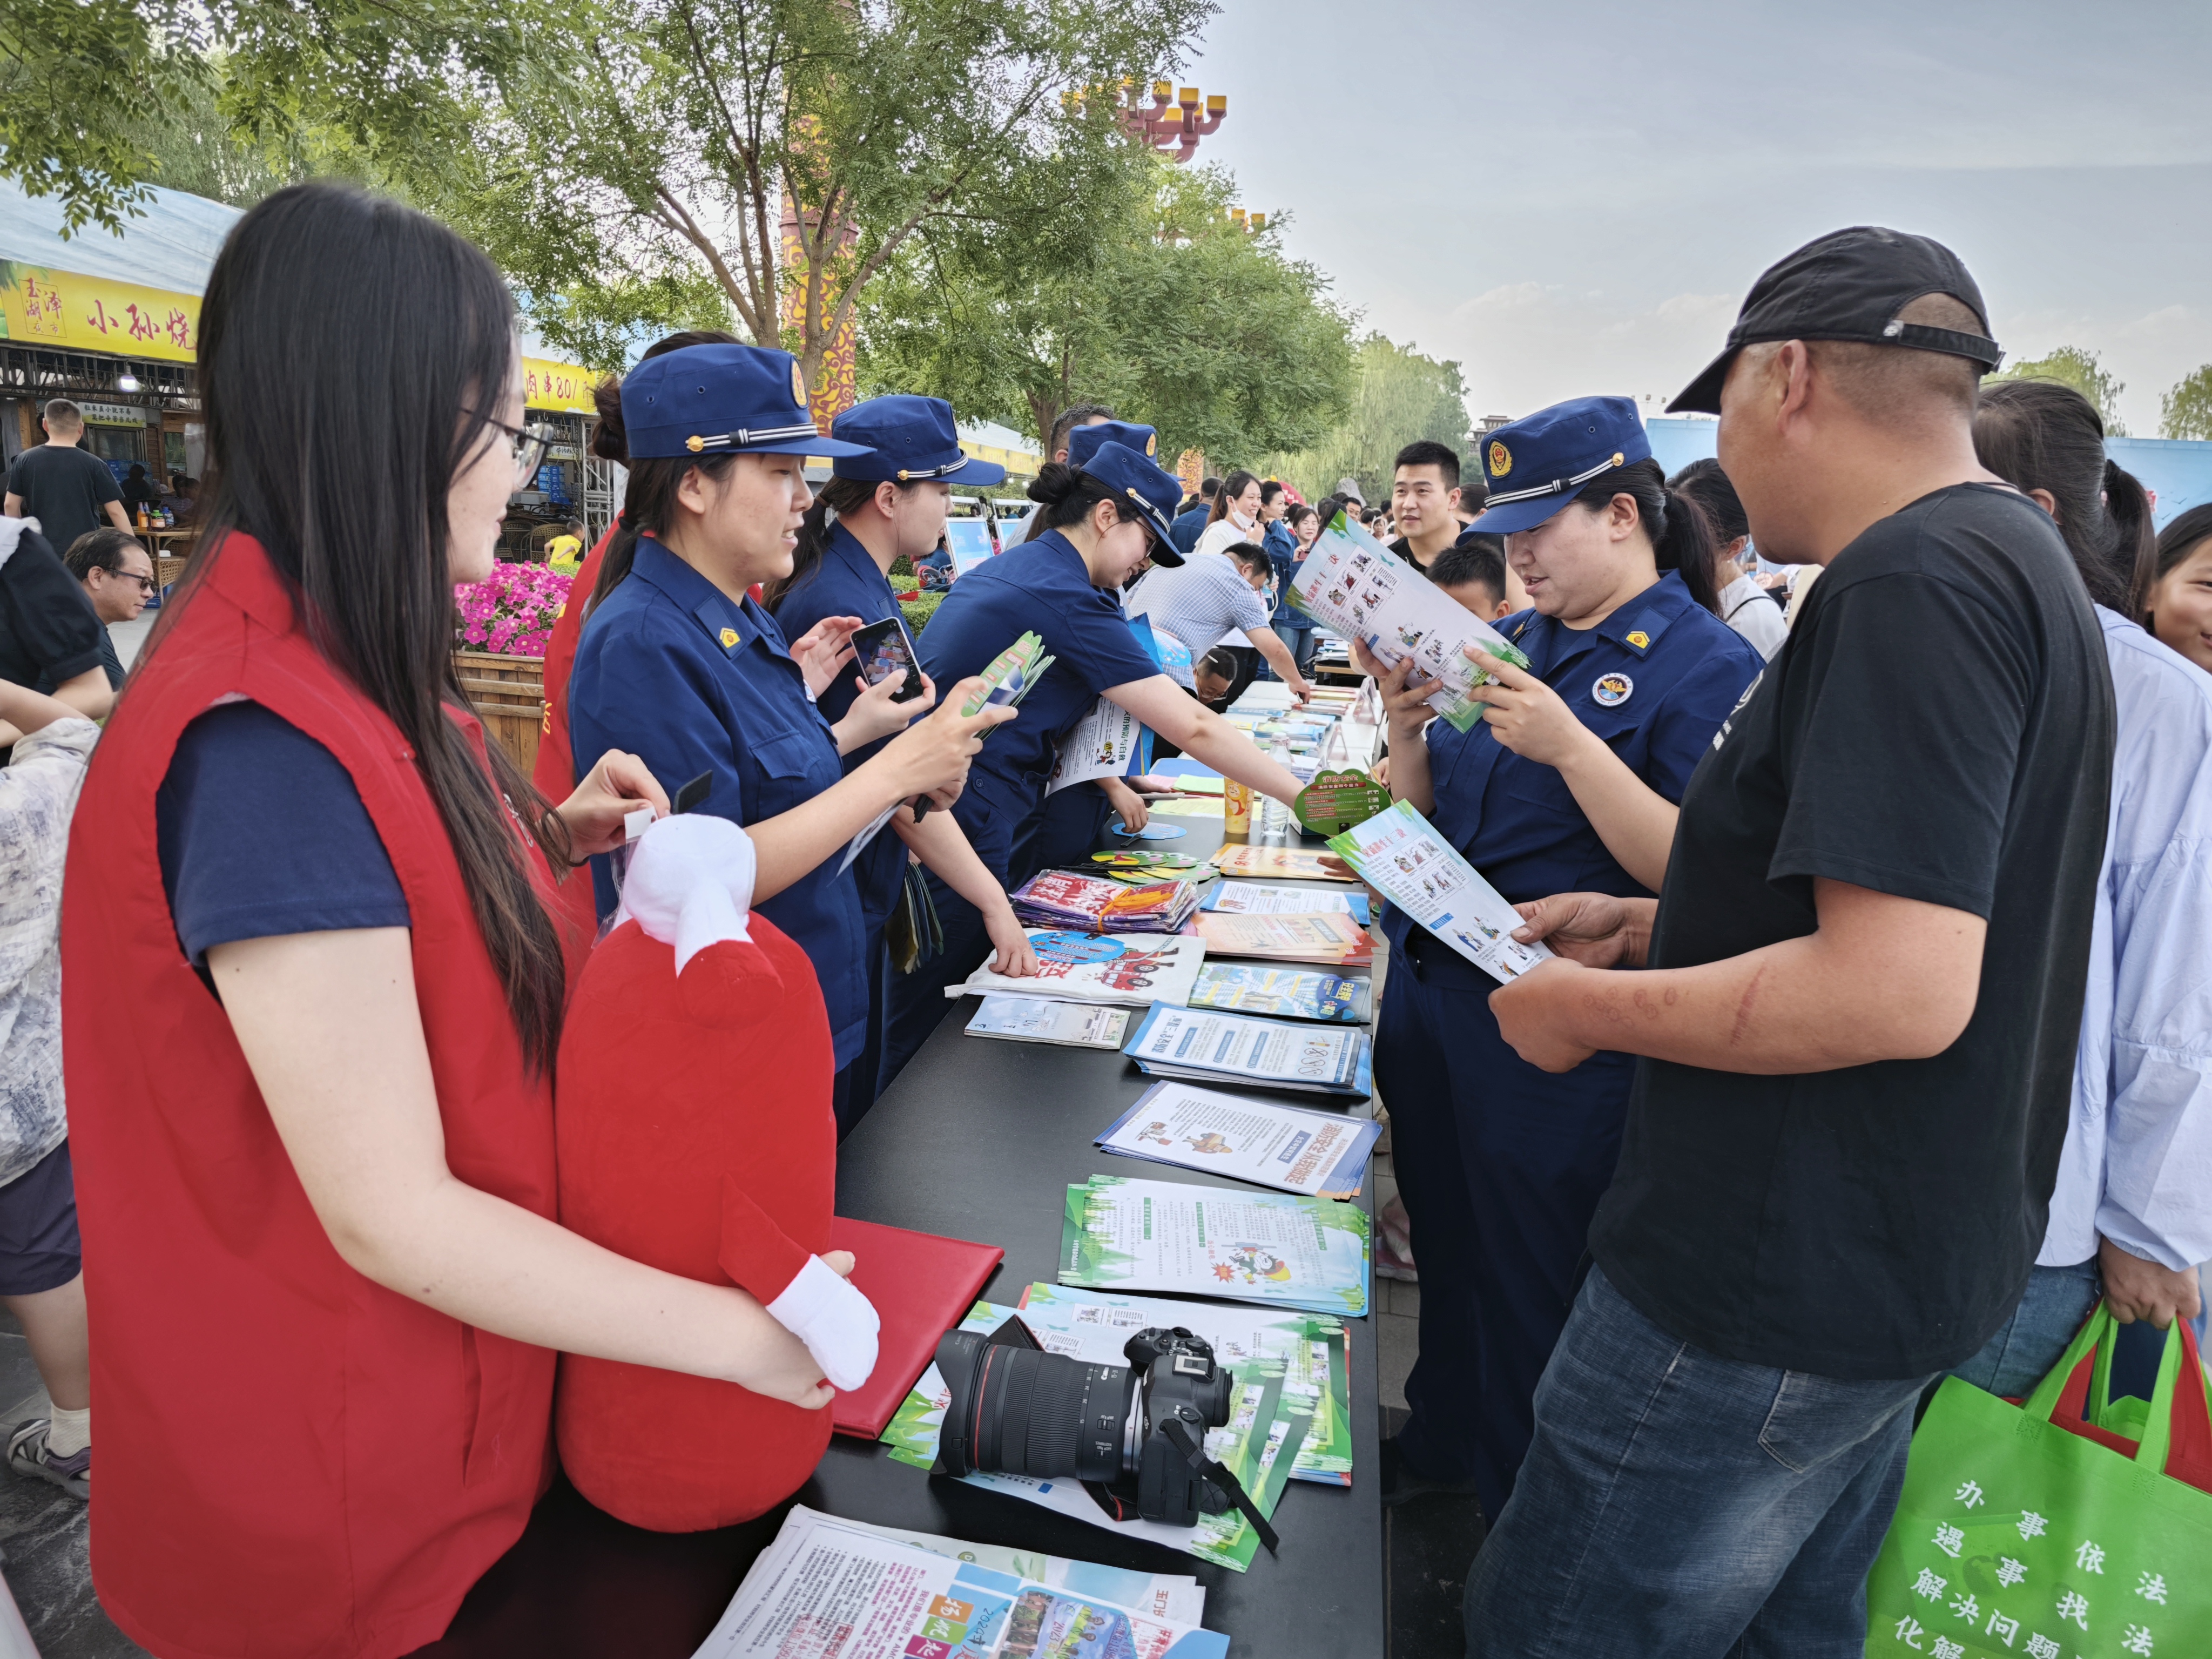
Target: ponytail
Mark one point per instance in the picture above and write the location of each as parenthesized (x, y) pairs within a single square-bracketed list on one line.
[(1066, 496), (610, 442), (2127, 506), (839, 496), (1681, 536)]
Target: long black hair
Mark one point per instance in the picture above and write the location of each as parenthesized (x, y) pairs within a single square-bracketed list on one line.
[(1232, 487), (354, 354), (1681, 536), (2040, 434), (838, 495), (652, 497)]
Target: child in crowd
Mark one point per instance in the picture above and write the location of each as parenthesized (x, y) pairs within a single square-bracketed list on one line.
[(41, 1274), (1473, 573)]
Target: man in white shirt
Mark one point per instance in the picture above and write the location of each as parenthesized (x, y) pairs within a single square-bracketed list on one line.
[(1201, 602)]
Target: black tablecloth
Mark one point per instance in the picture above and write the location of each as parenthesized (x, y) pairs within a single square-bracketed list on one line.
[(977, 1139)]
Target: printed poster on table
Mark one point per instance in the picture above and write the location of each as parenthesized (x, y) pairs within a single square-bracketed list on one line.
[(1129, 1235), (826, 1589), (1214, 1047), (1122, 970), (1352, 583), (1322, 1154)]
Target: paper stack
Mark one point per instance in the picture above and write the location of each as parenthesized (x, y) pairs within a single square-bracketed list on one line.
[(1331, 940), (1128, 970), (1060, 898), (1281, 991), (1219, 1048)]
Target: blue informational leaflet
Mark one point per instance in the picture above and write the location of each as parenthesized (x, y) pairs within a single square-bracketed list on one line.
[(1319, 1154), (1287, 992), (1218, 1047)]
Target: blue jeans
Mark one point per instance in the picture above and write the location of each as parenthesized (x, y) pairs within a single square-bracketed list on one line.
[(1677, 1505), (2028, 1345)]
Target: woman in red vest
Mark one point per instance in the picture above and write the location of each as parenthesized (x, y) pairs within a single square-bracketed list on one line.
[(316, 1165)]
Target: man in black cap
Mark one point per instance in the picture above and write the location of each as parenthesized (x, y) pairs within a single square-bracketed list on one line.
[(1862, 985)]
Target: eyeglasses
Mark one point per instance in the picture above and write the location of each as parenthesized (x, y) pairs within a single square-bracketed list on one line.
[(528, 444)]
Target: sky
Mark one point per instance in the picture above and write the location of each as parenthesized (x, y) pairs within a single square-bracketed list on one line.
[(1572, 199)]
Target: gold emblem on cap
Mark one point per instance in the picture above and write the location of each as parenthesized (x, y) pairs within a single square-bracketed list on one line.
[(798, 384), (695, 443), (1152, 443), (1619, 460), (902, 475), (1639, 639), (1501, 459), (729, 638)]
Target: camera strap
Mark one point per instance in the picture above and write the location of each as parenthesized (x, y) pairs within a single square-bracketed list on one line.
[(1194, 1453)]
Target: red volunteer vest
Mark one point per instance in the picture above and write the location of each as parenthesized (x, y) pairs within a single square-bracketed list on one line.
[(555, 774), (293, 1461)]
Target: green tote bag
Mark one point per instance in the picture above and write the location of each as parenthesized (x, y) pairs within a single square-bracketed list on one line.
[(2018, 1538)]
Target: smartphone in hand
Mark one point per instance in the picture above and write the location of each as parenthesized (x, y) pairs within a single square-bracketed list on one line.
[(883, 649)]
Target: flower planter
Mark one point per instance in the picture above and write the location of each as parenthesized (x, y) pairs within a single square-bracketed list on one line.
[(509, 692)]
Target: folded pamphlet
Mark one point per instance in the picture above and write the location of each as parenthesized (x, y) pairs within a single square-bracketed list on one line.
[(1224, 1048), (1252, 898), (826, 1586), (1399, 854), (1127, 970), (1120, 1234), (1332, 941), (1352, 583), (1035, 1019), (1283, 863), (1320, 1154), (1283, 992)]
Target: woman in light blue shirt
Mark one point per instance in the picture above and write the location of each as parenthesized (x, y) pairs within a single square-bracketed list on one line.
[(2131, 1215)]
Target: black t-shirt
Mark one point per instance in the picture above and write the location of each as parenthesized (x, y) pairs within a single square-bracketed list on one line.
[(1938, 727), (49, 632), (63, 489)]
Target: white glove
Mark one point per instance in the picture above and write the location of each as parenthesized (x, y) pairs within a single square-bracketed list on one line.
[(822, 1309)]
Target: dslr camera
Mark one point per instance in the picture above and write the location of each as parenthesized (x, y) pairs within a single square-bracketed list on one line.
[(1136, 1438)]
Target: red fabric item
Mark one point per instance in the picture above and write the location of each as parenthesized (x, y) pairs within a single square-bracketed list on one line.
[(292, 1458), (922, 1286), (695, 1131), (2189, 1454), (576, 907)]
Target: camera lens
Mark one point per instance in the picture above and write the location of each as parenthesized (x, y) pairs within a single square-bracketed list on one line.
[(1015, 1411)]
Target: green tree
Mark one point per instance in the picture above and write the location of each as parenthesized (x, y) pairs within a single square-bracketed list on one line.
[(1152, 301), (628, 163), (2186, 411), (2072, 366), (1402, 396), (76, 76)]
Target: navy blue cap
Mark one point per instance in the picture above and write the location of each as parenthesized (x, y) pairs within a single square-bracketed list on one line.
[(1137, 482), (909, 439), (721, 400), (1539, 463), (1082, 442)]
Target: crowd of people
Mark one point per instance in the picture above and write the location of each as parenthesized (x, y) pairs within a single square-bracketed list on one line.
[(1874, 1048)]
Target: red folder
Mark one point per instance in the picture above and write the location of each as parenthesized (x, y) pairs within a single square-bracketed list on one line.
[(922, 1286)]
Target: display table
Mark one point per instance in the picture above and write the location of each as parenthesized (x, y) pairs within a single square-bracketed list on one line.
[(975, 1140)]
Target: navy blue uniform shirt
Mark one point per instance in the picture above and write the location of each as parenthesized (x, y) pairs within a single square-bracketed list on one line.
[(1514, 820), (1041, 587), (670, 668), (1282, 551), (848, 582)]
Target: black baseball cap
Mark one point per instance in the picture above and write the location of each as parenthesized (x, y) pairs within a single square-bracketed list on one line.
[(1849, 285)]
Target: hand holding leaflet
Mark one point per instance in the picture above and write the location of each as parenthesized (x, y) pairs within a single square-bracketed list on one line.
[(1352, 583), (1012, 675), (1399, 854)]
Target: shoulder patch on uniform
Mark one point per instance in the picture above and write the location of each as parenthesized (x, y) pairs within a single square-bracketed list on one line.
[(729, 638), (1639, 639)]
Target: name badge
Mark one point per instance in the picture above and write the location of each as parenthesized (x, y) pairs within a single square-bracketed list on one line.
[(1613, 689)]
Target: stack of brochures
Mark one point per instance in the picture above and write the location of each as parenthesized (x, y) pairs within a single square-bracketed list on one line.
[(1219, 1048), (1033, 1019), (1332, 940), (1252, 898), (1277, 1248), (1283, 992), (1283, 863), (826, 1585), (1095, 904)]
